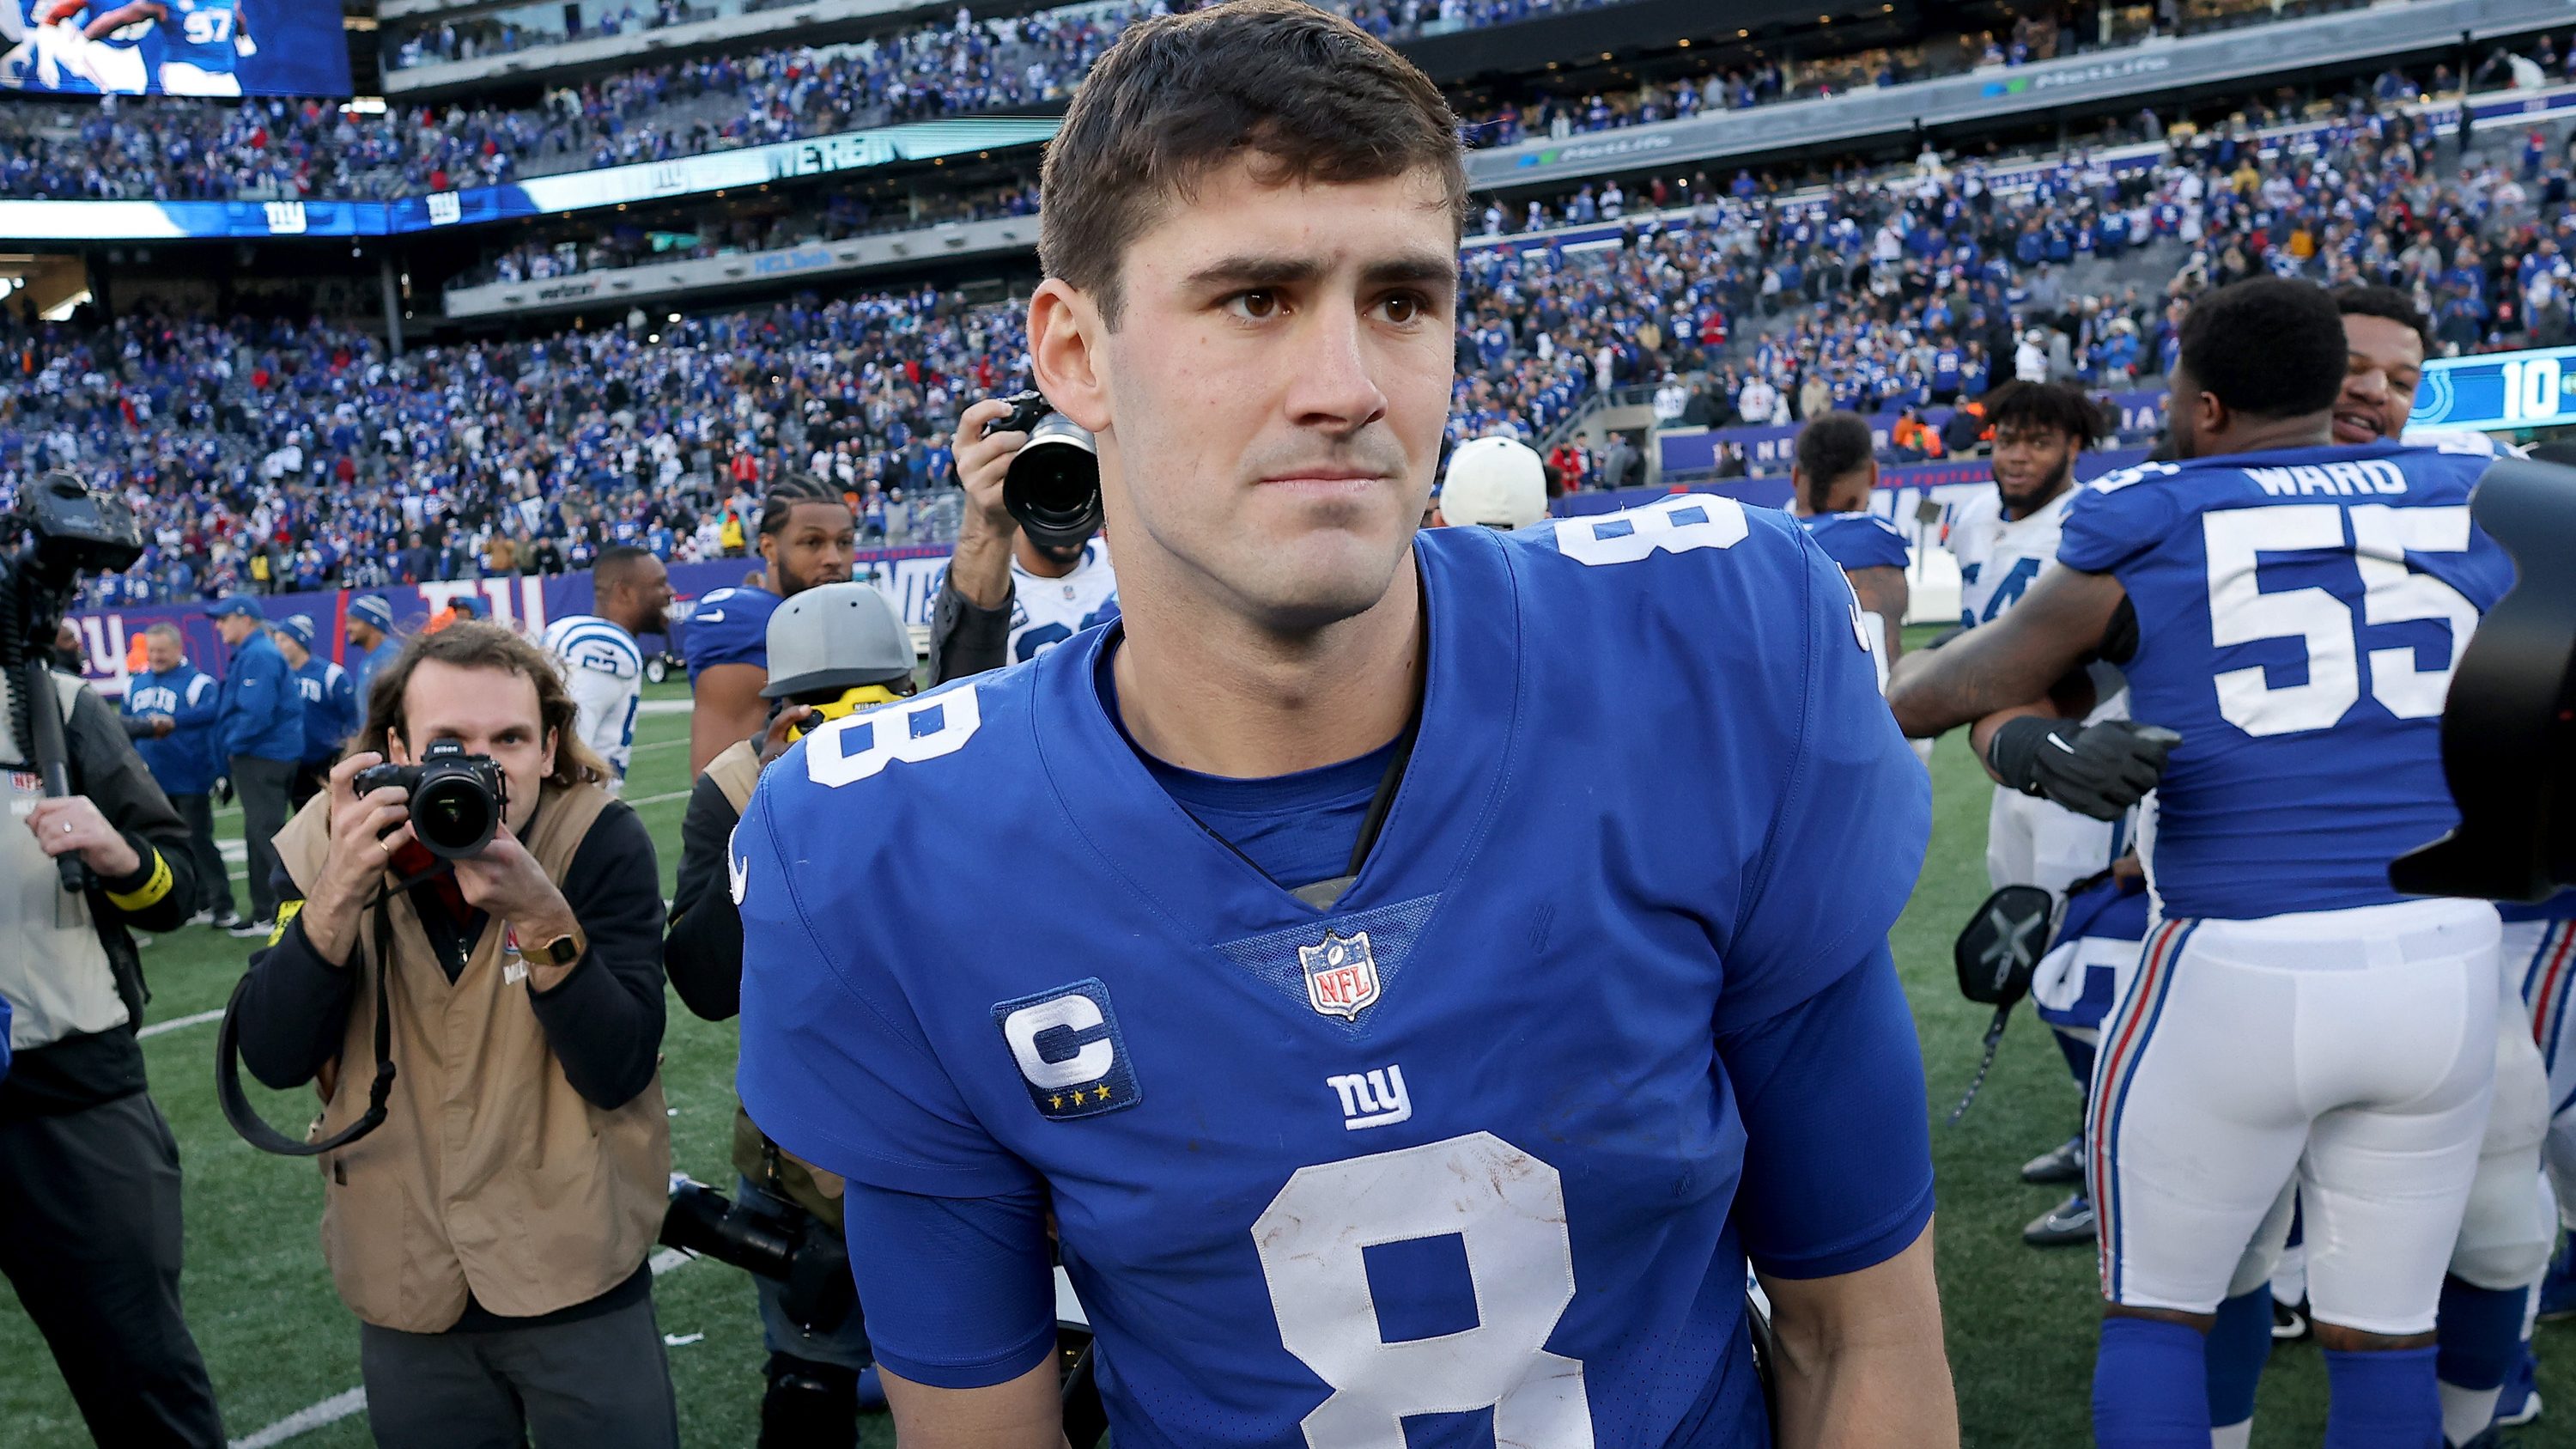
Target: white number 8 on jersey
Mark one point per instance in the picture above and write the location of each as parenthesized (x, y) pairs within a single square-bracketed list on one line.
[(1509, 1210), (1673, 525)]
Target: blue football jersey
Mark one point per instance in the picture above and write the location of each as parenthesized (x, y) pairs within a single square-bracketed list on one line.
[(200, 32), (730, 626), (2300, 612), (1463, 1145), (1857, 540)]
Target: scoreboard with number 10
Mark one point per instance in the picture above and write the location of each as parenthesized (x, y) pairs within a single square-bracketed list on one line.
[(2494, 391)]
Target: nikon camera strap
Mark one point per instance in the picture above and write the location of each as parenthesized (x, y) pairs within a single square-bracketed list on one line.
[(228, 1088)]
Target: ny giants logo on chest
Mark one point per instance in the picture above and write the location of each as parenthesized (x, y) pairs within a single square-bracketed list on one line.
[(1341, 975)]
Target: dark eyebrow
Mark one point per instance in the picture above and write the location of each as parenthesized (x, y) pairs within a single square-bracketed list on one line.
[(1251, 271)]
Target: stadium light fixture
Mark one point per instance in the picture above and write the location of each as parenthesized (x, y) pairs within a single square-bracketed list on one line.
[(675, 316)]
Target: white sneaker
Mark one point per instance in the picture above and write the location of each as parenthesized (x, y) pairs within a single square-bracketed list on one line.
[(248, 929), (205, 917)]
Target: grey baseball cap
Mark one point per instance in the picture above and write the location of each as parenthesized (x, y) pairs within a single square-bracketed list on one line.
[(834, 636)]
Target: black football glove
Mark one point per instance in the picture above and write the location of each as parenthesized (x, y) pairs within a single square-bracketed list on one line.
[(2098, 770)]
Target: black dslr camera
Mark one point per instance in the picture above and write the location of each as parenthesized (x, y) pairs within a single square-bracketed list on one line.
[(60, 530), (457, 799), (796, 1250), (1052, 486)]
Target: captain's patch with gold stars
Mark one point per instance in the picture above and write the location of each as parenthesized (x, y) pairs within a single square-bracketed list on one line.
[(1070, 1053)]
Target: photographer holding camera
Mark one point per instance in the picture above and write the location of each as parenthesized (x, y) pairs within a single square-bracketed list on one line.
[(482, 917), (1029, 571), (834, 650), (89, 1173)]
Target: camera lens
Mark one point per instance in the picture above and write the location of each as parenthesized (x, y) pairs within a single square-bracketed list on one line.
[(1053, 486), (454, 816)]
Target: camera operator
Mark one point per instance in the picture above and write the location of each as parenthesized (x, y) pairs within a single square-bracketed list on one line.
[(807, 535), (89, 1173), (491, 1233), (260, 726), (1008, 596), (833, 651), (170, 714)]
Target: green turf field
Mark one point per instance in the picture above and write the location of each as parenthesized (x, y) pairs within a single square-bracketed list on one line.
[(279, 1343)]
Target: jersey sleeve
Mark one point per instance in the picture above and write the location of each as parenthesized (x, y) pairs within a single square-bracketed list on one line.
[(967, 1299), (1842, 1067), (727, 628), (1864, 541), (2114, 519), (836, 1066), (1848, 835), (599, 701)]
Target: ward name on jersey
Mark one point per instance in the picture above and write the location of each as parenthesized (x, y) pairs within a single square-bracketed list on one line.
[(1045, 612), (1474, 1138), (604, 668), (2286, 594)]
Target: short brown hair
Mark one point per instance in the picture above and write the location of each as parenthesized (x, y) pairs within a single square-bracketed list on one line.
[(477, 644), (1307, 95)]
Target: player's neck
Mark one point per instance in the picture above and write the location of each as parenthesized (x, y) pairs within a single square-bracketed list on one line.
[(1210, 692)]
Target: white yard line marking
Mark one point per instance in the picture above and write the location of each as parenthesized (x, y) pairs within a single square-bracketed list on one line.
[(304, 1421), (340, 1406), (176, 1022)]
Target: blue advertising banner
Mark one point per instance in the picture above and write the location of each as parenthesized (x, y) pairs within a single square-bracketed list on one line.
[(174, 48), (2530, 389), (908, 576)]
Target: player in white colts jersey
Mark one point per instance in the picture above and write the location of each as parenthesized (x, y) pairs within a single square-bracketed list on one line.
[(1009, 596), (2004, 541), (600, 659), (2294, 610)]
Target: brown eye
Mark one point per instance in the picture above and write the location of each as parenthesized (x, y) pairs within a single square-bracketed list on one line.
[(1401, 309), (1258, 306)]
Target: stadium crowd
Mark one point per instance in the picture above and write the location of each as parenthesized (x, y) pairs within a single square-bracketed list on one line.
[(837, 216), (450, 41), (285, 456), (279, 148), (311, 457)]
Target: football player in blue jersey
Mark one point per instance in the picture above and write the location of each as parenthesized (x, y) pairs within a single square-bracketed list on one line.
[(2294, 610), (807, 535), (1833, 475), (1403, 1055)]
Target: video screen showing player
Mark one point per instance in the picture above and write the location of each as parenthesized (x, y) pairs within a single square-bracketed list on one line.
[(172, 47)]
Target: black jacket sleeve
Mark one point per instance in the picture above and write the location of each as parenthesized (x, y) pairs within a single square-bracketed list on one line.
[(162, 892), (966, 639), (295, 1005), (604, 1019), (703, 951)]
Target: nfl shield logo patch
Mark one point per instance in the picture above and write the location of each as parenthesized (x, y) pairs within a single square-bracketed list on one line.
[(1341, 975)]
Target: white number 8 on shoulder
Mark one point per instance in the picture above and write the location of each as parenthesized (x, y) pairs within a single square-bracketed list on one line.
[(892, 738), (1673, 525)]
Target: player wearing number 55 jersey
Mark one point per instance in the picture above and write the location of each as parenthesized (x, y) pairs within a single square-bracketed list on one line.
[(2294, 610), (1397, 963)]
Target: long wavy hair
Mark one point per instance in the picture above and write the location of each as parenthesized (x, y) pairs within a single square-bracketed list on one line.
[(476, 644)]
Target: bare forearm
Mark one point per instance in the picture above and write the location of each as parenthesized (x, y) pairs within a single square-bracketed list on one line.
[(1981, 735), (981, 566), (1861, 1363), (1026, 1413), (2008, 663)]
